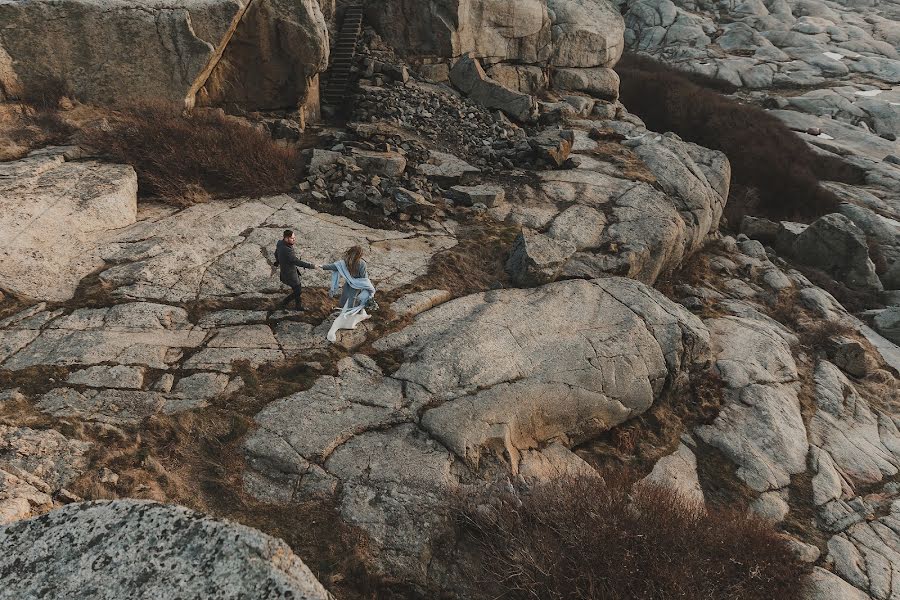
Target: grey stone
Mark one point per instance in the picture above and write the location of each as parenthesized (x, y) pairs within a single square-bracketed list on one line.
[(583, 226), (385, 164), (489, 195), (201, 386), (833, 243), (469, 77), (825, 585), (678, 471), (760, 428), (601, 82), (40, 192), (770, 506), (418, 302), (158, 551), (118, 376), (537, 259), (887, 323)]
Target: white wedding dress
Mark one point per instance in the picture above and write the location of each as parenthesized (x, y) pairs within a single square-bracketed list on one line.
[(346, 320)]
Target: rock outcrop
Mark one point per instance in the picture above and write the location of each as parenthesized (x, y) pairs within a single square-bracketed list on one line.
[(57, 214), (254, 54), (480, 391), (140, 549)]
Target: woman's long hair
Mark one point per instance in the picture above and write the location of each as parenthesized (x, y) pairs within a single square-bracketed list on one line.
[(352, 258)]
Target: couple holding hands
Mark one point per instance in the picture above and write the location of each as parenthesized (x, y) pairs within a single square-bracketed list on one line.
[(357, 292)]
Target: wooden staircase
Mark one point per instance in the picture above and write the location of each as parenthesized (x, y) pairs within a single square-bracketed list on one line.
[(342, 54)]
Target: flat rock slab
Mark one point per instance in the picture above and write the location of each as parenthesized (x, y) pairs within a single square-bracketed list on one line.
[(225, 250), (137, 333), (482, 390), (140, 549), (55, 215)]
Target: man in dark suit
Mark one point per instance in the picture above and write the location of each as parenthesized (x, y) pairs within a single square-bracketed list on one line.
[(288, 262)]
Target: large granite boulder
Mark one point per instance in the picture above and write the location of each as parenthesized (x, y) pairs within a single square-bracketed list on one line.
[(55, 216), (469, 77), (114, 52), (139, 549), (492, 384), (586, 33), (497, 31), (273, 59), (563, 33), (836, 245)]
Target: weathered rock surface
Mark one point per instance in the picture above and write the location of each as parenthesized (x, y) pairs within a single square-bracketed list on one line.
[(45, 197), (469, 77), (629, 227), (225, 249), (494, 391), (517, 32), (758, 45), (34, 466), (140, 549), (258, 53), (598, 82), (273, 59), (678, 471), (760, 427), (537, 259), (562, 33), (833, 243), (586, 33)]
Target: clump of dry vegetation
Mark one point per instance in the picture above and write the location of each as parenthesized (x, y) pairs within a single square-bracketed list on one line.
[(765, 155), (588, 539), (24, 128), (189, 157)]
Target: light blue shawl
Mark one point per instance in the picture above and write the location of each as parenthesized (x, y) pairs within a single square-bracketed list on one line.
[(367, 290)]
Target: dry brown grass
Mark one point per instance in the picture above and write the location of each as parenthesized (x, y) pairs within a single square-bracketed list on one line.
[(24, 128), (477, 262), (585, 539), (185, 158)]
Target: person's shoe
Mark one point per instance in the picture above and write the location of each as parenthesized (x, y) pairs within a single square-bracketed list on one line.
[(300, 308)]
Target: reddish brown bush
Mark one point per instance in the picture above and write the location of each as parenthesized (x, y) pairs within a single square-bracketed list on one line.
[(186, 157), (765, 155), (586, 540)]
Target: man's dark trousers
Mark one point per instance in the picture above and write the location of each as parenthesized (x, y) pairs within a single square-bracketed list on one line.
[(296, 289)]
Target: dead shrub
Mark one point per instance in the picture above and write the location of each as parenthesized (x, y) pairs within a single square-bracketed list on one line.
[(24, 128), (765, 155), (183, 158), (475, 264), (585, 539)]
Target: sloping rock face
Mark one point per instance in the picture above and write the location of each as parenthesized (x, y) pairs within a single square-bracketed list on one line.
[(481, 391), (56, 214), (225, 250), (273, 59), (117, 52), (561, 33), (618, 225), (787, 413), (139, 549)]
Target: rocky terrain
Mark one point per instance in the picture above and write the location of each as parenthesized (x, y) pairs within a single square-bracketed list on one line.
[(559, 294)]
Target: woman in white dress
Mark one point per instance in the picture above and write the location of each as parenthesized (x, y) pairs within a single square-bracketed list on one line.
[(356, 292)]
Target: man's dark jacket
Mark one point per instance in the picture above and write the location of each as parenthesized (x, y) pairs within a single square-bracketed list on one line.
[(287, 262)]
